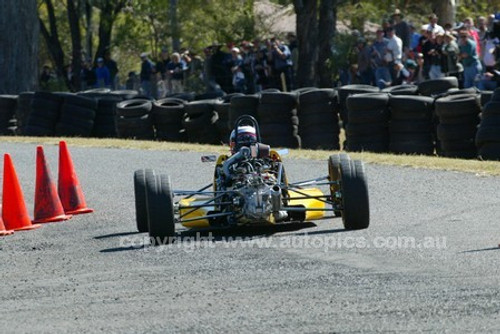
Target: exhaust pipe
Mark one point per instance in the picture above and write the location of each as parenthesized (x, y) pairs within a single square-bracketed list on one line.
[(276, 198), (279, 215)]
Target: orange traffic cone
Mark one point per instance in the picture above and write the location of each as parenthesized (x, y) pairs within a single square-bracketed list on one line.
[(3, 230), (14, 212), (48, 207), (70, 192)]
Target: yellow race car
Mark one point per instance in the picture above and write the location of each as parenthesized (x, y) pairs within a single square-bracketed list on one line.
[(250, 188)]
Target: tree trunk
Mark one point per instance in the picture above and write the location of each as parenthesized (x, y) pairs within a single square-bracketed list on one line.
[(88, 29), (107, 18), (18, 46), (307, 36), (326, 33), (174, 26), (445, 11), (53, 44), (76, 43)]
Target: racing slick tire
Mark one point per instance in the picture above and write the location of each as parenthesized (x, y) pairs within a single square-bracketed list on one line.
[(141, 210), (160, 207), (355, 199), (334, 162)]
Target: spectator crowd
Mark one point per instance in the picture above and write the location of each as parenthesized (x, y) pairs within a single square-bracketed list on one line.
[(402, 53), (399, 53)]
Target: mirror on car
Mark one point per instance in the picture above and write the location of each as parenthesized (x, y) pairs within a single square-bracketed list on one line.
[(208, 158)]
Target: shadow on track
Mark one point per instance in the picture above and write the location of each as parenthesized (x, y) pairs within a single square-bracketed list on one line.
[(112, 235), (482, 250)]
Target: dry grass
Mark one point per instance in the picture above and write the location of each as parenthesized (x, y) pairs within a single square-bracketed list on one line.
[(414, 161)]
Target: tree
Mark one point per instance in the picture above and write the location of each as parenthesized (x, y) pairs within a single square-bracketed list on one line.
[(18, 46), (445, 10), (326, 33), (76, 41), (307, 37), (109, 12), (174, 25)]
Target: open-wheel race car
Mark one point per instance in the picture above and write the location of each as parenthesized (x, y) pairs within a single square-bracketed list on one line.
[(250, 188)]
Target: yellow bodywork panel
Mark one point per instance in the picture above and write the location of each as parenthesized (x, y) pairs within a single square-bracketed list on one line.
[(193, 213), (309, 203)]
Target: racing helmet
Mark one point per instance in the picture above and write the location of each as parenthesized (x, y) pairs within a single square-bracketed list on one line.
[(246, 137)]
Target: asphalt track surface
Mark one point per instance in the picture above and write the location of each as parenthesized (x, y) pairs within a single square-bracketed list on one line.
[(429, 262)]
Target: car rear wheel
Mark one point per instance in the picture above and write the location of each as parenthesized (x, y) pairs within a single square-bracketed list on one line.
[(141, 210), (160, 207), (334, 162), (355, 199)]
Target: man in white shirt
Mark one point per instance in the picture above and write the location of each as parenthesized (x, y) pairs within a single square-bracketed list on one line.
[(394, 51), (433, 26)]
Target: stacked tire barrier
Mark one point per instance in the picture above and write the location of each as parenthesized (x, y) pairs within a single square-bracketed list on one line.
[(222, 107), (368, 116), (167, 115), (488, 134), (318, 119), (23, 110), (105, 118), (77, 116), (396, 119), (200, 122), (277, 116), (458, 119), (411, 125), (44, 114), (242, 105), (125, 94), (437, 86), (8, 105), (345, 91), (486, 97), (401, 90), (133, 119)]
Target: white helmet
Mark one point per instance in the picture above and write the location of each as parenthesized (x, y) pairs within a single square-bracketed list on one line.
[(246, 137)]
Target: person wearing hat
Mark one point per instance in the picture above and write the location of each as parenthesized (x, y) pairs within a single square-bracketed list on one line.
[(103, 76), (414, 38), (112, 67), (435, 57), (451, 65), (402, 29), (238, 79)]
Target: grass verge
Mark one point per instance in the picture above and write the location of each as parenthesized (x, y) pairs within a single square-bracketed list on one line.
[(415, 161)]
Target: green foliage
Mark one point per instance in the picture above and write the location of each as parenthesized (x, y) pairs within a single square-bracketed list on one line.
[(204, 22), (474, 8), (145, 27), (342, 52), (62, 28)]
